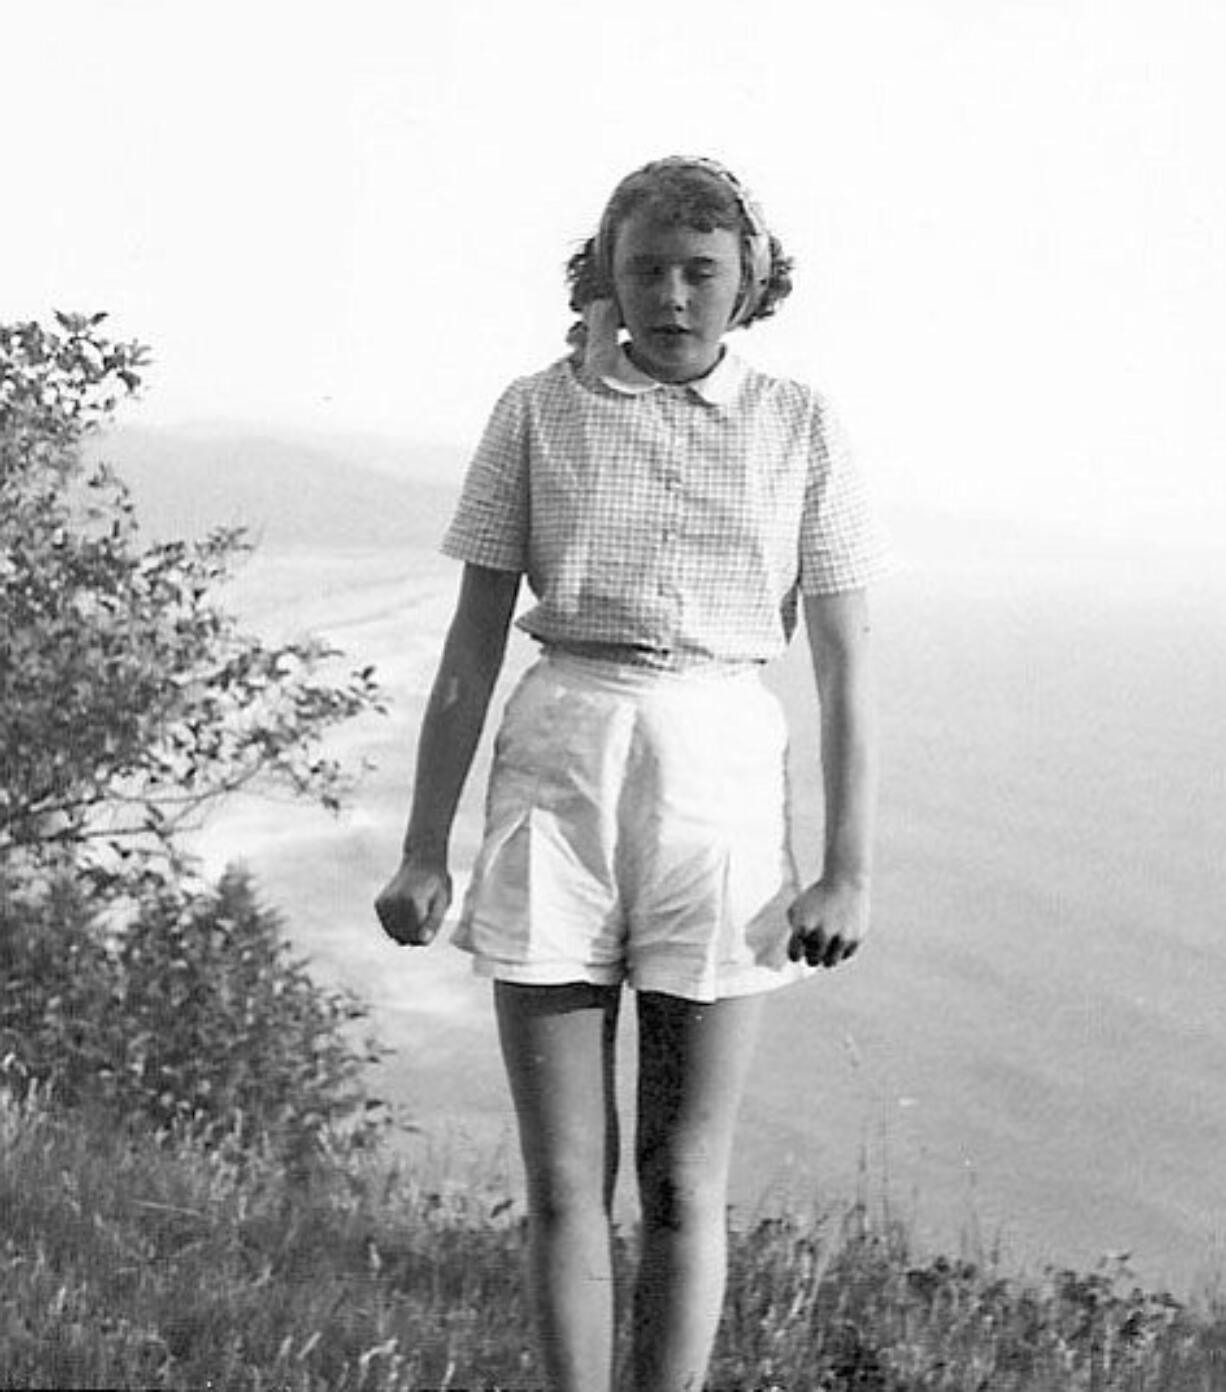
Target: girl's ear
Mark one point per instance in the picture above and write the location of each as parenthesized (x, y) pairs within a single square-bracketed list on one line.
[(606, 293), (603, 319)]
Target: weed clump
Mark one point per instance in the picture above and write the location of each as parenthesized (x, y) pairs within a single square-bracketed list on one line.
[(848, 1304), (194, 1018)]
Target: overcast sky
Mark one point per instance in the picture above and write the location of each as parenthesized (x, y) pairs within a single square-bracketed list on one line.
[(1008, 214)]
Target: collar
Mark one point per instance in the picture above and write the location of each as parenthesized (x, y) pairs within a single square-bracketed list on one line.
[(717, 388)]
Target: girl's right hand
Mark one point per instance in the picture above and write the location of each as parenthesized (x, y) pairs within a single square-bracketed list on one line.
[(414, 902)]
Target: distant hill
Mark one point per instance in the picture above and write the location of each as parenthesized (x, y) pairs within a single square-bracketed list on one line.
[(335, 492), (361, 491)]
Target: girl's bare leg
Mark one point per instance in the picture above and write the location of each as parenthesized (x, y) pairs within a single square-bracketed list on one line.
[(693, 1062), (558, 1043)]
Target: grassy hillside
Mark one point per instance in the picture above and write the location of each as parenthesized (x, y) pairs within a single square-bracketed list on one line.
[(138, 1262)]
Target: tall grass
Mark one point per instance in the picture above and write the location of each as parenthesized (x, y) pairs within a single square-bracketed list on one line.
[(150, 1261), (133, 1261)]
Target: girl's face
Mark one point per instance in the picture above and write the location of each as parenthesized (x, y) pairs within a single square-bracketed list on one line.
[(677, 288)]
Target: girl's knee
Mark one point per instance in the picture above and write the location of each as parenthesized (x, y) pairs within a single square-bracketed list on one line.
[(679, 1194), (562, 1194)]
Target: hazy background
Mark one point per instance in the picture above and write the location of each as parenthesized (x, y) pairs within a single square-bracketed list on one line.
[(1008, 214), (342, 230)]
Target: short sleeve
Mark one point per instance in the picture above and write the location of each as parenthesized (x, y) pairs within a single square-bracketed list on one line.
[(490, 524), (842, 546)]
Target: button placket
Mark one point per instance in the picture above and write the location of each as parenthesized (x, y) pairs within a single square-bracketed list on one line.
[(670, 526)]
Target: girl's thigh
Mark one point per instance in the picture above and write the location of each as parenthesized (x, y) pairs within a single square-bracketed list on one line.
[(559, 1045), (694, 1060)]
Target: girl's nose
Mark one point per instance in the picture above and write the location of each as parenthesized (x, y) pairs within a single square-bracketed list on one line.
[(672, 288)]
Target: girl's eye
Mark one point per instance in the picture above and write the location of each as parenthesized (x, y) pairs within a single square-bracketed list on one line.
[(649, 271)]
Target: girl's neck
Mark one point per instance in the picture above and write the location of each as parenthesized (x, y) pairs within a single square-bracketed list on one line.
[(646, 368)]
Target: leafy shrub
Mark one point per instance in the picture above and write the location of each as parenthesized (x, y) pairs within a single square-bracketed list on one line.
[(195, 1014), (130, 700), (130, 703)]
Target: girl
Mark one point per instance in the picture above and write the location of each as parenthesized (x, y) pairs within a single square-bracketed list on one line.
[(673, 510)]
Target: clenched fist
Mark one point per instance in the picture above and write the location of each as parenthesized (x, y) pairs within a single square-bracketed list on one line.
[(413, 904), (828, 923)]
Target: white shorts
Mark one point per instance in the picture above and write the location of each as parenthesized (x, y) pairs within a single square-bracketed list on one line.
[(636, 830)]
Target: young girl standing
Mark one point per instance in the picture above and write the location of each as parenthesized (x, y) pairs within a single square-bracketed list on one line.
[(674, 511)]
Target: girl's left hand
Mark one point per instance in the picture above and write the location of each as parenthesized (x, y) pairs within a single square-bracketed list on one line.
[(828, 923)]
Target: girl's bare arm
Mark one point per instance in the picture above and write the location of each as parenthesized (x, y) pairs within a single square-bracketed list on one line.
[(412, 906), (831, 917)]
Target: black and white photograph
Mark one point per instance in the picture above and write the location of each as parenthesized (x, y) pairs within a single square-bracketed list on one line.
[(612, 670)]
